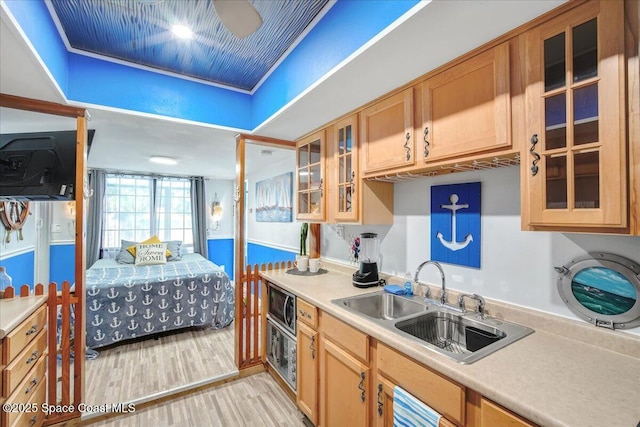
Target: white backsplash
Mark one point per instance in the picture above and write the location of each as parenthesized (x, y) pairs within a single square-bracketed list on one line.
[(516, 266)]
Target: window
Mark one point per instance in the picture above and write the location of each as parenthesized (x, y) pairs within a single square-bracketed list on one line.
[(137, 207)]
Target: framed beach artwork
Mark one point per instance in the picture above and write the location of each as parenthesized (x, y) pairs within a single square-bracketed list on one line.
[(273, 199)]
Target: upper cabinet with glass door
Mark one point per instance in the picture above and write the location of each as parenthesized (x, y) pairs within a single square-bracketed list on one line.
[(576, 159), (345, 175), (310, 177)]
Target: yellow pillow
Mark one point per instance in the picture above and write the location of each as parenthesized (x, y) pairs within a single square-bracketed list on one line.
[(155, 239)]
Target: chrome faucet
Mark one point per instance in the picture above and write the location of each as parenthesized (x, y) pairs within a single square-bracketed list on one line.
[(443, 294), (479, 300)]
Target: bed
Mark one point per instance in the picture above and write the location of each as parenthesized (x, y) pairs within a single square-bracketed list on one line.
[(125, 301)]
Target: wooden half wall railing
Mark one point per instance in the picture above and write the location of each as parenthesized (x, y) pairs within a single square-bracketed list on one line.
[(61, 347), (251, 309)]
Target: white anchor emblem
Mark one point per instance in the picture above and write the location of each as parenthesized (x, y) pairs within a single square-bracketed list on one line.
[(149, 327), (206, 278), (163, 304), (192, 275), (453, 244), (147, 314), (205, 291), (192, 286), (97, 320), (192, 299), (117, 336), (204, 305), (93, 292), (164, 317), (131, 312), (178, 321), (162, 279), (114, 308), (147, 300), (133, 325), (217, 286), (178, 308), (163, 290), (112, 293), (130, 297), (203, 318), (178, 282), (99, 336), (178, 295), (95, 306), (146, 287), (192, 312), (115, 323), (129, 284)]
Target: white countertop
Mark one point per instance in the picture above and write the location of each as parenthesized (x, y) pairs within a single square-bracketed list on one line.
[(14, 311), (549, 379)]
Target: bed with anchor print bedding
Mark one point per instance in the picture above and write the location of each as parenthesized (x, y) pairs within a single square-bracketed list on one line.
[(126, 301)]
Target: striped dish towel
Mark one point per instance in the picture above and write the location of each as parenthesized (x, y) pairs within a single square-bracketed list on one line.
[(410, 412)]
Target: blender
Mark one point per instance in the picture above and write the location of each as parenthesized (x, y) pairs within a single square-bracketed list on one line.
[(367, 275)]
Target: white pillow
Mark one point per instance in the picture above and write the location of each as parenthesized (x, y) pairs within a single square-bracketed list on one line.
[(151, 253)]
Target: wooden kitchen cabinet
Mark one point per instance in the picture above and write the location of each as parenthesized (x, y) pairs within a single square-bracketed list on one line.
[(482, 412), (310, 172), (466, 109), (576, 163), (387, 135), (307, 371), (344, 387), (351, 198)]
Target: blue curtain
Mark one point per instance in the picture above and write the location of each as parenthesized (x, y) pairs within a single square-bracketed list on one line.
[(199, 216), (97, 186)]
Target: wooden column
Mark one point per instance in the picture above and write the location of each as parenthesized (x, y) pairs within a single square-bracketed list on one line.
[(239, 237), (314, 240)]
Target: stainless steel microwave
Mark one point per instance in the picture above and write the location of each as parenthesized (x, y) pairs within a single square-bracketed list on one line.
[(282, 308)]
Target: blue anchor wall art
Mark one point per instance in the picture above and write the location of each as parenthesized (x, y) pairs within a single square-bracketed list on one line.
[(455, 224)]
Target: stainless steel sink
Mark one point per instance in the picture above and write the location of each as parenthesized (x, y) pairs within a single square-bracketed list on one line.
[(464, 337), (383, 306)]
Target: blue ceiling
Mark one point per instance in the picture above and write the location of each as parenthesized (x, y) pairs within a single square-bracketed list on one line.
[(138, 31)]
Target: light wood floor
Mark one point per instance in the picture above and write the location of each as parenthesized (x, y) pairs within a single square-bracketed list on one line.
[(252, 401), (131, 371)]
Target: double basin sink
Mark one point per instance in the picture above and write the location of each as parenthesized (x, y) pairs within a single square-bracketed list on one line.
[(464, 337)]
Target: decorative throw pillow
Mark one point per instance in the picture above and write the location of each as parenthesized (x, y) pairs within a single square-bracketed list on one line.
[(154, 239), (151, 253), (124, 256), (175, 247)]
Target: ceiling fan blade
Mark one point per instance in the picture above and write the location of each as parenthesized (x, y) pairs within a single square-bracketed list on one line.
[(238, 16)]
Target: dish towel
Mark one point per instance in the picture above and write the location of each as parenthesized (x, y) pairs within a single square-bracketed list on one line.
[(410, 412)]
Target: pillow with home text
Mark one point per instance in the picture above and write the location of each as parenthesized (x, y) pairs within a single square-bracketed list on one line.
[(151, 253)]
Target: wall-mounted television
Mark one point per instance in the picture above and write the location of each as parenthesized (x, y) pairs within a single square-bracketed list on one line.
[(39, 166)]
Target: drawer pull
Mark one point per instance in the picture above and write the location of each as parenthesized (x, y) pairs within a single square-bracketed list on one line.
[(406, 146), (33, 357), (33, 383), (312, 347), (361, 386), (536, 156), (304, 314), (32, 330), (380, 403)]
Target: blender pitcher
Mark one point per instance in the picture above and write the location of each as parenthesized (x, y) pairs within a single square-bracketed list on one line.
[(367, 275)]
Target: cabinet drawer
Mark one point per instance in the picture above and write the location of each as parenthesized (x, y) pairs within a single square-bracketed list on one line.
[(347, 337), (307, 313), (28, 419), (494, 415), (15, 372), (443, 395), (17, 339)]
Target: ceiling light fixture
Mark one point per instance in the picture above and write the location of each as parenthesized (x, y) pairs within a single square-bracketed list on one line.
[(163, 160), (182, 31)]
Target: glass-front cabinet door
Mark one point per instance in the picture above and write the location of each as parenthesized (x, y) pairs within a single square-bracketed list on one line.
[(576, 157), (345, 155), (310, 177)]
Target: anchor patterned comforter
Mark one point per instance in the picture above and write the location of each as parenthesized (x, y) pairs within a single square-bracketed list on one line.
[(125, 301)]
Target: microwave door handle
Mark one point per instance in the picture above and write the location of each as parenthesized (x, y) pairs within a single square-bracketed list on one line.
[(286, 304), (277, 354)]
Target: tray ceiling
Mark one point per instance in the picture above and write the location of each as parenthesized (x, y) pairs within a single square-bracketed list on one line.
[(139, 31)]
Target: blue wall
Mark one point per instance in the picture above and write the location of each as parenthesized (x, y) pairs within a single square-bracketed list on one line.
[(261, 254), (62, 263), (221, 253), (21, 268)]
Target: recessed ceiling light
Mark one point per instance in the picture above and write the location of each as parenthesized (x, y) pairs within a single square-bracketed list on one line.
[(182, 31), (163, 160)]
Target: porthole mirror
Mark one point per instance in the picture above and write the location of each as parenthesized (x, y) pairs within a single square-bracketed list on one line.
[(603, 289)]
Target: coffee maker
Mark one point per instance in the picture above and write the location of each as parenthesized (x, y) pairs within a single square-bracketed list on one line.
[(369, 252)]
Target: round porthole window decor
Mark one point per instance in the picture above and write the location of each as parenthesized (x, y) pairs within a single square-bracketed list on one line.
[(603, 289)]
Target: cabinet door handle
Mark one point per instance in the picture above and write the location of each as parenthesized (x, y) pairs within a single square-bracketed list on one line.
[(32, 330), (426, 142), (361, 386), (380, 403), (34, 356), (406, 146), (320, 187), (32, 384), (312, 347), (353, 187), (33, 420), (536, 156)]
